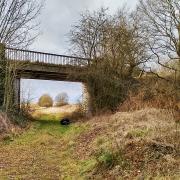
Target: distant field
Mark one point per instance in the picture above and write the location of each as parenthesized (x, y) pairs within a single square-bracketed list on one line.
[(52, 113)]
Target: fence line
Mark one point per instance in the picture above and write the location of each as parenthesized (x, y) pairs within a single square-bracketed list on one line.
[(41, 57)]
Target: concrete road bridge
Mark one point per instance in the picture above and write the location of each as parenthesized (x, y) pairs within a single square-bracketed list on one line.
[(43, 66)]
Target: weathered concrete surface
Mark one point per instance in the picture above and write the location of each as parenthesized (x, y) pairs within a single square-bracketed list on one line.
[(86, 103), (17, 89), (49, 72)]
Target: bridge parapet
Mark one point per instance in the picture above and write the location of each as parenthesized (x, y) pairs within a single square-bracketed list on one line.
[(41, 57)]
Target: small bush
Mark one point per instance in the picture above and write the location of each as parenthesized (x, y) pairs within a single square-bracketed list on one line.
[(107, 159), (78, 114), (153, 92), (5, 124), (45, 101), (107, 88)]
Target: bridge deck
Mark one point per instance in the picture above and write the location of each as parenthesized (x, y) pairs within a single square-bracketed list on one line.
[(41, 57), (45, 66)]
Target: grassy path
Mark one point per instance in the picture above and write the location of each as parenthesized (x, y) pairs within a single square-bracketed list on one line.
[(45, 151), (125, 145)]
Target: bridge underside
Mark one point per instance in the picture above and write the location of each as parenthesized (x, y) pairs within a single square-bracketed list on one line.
[(29, 74), (41, 71), (49, 72)]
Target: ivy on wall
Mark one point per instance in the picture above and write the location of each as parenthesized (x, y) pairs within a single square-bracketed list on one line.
[(2, 73)]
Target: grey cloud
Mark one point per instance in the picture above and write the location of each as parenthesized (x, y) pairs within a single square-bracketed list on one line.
[(59, 15)]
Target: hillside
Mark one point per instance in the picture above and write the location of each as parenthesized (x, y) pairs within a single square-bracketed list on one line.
[(126, 145)]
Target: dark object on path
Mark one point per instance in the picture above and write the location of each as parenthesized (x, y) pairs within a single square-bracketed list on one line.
[(65, 121)]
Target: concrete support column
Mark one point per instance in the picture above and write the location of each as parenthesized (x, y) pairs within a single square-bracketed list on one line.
[(17, 83), (86, 101)]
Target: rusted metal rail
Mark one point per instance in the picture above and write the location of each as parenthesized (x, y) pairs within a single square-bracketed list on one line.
[(41, 57)]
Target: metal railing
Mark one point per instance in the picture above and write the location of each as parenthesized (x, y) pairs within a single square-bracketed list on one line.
[(41, 57)]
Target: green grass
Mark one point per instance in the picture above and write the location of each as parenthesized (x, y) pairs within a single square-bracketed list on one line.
[(138, 133), (46, 151), (49, 117)]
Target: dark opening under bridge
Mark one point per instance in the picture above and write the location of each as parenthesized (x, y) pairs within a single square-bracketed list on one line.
[(44, 66)]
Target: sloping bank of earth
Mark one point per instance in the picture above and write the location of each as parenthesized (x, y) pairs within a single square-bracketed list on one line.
[(139, 144)]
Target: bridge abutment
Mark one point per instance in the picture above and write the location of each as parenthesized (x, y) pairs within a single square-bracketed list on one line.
[(86, 101), (2, 73), (16, 89)]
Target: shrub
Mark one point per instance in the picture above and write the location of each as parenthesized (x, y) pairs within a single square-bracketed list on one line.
[(106, 93), (2, 81), (108, 159), (61, 99), (78, 114), (153, 92), (5, 123), (107, 88), (13, 119), (45, 101)]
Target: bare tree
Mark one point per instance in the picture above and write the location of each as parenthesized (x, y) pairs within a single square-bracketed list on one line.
[(116, 47), (18, 28), (18, 21), (114, 40), (124, 47), (87, 35), (61, 99), (160, 25)]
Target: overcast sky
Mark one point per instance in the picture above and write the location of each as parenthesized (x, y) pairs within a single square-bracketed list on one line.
[(57, 18), (59, 15), (33, 89)]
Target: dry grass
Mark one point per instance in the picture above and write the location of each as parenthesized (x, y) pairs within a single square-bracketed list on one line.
[(56, 112), (125, 145), (151, 123), (148, 99), (148, 139), (153, 93), (7, 127)]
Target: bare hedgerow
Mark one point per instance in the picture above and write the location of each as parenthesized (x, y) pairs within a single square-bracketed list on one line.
[(160, 26), (61, 99)]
